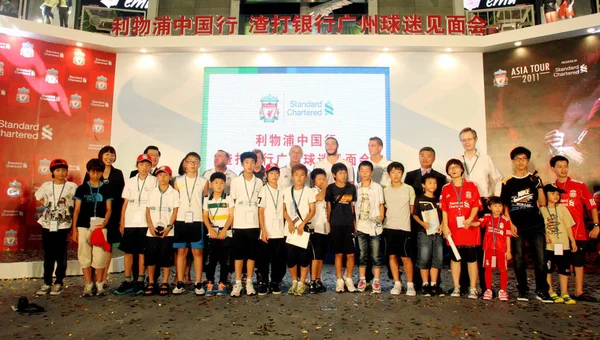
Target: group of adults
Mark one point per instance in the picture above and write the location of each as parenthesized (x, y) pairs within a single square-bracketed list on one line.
[(479, 168)]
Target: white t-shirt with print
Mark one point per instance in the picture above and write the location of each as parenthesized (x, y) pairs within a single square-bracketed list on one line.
[(191, 196), (246, 195), (218, 211), (368, 200), (161, 206), (59, 204), (135, 193), (271, 200), (303, 198), (319, 221)]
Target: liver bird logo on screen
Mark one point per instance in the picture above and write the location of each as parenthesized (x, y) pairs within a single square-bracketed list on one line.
[(269, 112)]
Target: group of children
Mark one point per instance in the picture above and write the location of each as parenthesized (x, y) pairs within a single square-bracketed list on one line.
[(269, 227)]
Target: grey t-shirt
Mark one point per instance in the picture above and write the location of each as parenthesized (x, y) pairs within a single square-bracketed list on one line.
[(397, 204)]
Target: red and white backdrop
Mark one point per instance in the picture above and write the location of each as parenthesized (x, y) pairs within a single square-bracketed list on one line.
[(56, 102)]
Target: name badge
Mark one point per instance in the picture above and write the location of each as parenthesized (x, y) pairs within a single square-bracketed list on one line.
[(378, 229), (493, 261), (460, 221), (558, 249), (94, 221), (137, 217), (250, 217), (53, 226), (277, 223), (189, 216)]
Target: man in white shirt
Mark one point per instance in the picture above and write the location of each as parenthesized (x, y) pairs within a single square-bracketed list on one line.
[(380, 163), (286, 180), (331, 147), (480, 169), (221, 160)]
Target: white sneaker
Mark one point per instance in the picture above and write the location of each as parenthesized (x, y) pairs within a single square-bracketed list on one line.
[(339, 286), (473, 293), (362, 285), (350, 285), (100, 289), (199, 289), (88, 289), (237, 289), (456, 292), (410, 291), (293, 288), (397, 290), (250, 288), (57, 289), (44, 290)]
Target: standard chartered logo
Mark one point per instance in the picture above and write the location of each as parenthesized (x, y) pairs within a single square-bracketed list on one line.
[(310, 108), (47, 132), (23, 130)]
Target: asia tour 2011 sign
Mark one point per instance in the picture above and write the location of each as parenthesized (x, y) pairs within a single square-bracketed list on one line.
[(300, 24), (56, 102)]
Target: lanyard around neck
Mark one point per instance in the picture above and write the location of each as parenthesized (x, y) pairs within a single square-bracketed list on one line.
[(272, 198), (59, 195), (469, 172), (459, 196), (189, 196), (142, 189)]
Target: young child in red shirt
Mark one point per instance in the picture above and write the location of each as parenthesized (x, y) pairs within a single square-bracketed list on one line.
[(496, 246)]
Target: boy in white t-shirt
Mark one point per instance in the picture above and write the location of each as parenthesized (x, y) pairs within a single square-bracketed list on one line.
[(57, 198), (298, 210), (134, 225), (272, 246), (245, 191), (218, 218), (161, 212), (320, 238), (189, 229), (399, 204), (370, 210)]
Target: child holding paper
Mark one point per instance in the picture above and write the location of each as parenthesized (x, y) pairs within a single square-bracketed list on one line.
[(559, 233), (460, 202), (430, 257), (298, 210), (496, 246)]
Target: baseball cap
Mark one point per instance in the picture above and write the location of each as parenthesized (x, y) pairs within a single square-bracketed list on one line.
[(271, 166), (58, 163), (163, 168), (552, 188), (143, 158)]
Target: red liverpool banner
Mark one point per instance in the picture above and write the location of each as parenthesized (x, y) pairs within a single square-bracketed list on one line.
[(300, 24), (56, 102)]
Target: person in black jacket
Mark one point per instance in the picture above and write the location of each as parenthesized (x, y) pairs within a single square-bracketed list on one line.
[(413, 178), (115, 182), (154, 154)]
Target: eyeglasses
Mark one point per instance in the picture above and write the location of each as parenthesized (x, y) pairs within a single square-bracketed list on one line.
[(192, 162), (520, 159)]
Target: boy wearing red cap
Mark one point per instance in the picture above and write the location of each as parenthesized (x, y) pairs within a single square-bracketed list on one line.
[(93, 207), (57, 198), (134, 224), (161, 213)]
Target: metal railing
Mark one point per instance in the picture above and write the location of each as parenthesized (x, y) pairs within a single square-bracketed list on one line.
[(506, 18)]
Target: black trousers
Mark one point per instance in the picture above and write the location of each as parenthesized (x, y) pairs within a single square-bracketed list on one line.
[(63, 16), (55, 252), (272, 258), (218, 251)]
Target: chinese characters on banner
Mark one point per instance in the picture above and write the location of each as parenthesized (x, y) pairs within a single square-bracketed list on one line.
[(300, 24)]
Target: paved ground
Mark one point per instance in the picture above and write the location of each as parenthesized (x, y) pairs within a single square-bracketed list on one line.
[(327, 315)]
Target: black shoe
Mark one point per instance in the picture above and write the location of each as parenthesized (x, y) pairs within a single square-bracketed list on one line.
[(544, 297), (139, 287), (276, 288), (426, 290), (523, 296), (312, 287), (263, 288), (437, 291), (320, 286), (125, 288)]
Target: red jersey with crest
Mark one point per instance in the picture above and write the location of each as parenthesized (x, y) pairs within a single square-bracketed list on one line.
[(500, 227), (577, 196), (455, 207)]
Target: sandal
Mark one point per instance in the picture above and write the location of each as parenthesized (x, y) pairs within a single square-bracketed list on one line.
[(164, 289), (149, 289)]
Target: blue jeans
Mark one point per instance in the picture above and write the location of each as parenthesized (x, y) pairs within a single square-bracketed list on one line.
[(431, 251), (369, 246)]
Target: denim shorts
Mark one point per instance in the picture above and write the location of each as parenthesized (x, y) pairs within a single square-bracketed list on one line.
[(431, 251), (369, 246)]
